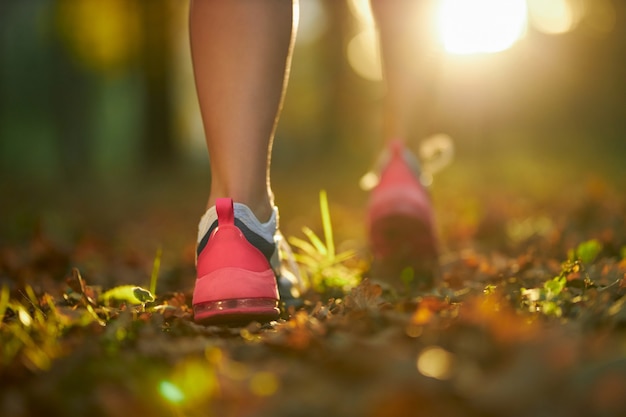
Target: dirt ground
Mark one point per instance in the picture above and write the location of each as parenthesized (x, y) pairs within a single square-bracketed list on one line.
[(526, 318)]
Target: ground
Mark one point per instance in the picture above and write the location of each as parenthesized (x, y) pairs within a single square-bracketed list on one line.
[(527, 316)]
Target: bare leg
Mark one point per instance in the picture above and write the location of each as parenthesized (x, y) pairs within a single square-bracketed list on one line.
[(408, 66), (241, 53)]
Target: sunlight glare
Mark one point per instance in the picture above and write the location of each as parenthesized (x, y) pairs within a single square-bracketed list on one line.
[(362, 12), (480, 26), (552, 16), (312, 22)]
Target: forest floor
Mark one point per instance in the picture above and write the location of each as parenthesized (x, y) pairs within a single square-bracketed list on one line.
[(527, 316)]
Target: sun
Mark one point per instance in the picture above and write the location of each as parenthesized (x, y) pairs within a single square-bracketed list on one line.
[(480, 26)]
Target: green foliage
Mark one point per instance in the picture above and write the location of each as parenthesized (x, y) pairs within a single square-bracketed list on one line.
[(547, 298), (155, 270), (554, 287), (4, 300), (322, 267), (127, 293), (407, 276), (554, 295), (586, 251), (489, 289), (31, 329)]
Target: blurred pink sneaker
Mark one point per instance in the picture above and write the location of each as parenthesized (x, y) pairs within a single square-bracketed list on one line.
[(400, 221), (235, 282)]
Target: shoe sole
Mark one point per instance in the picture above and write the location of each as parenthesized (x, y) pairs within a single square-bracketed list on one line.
[(253, 298), (236, 311)]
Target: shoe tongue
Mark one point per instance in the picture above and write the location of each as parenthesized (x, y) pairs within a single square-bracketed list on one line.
[(225, 211)]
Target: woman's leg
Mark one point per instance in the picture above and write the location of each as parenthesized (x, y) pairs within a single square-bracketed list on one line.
[(400, 217), (409, 66), (241, 51)]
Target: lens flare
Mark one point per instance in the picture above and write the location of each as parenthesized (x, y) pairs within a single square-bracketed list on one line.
[(552, 16), (480, 26)]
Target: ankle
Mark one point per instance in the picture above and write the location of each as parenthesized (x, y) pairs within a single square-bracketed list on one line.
[(263, 211), (262, 207)]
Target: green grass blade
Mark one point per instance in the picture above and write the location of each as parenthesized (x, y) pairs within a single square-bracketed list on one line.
[(316, 241), (307, 261), (129, 293), (303, 245), (32, 298), (156, 267), (4, 301), (326, 224), (344, 256)]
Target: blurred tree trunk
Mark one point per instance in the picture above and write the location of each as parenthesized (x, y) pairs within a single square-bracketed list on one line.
[(157, 145), (73, 120)]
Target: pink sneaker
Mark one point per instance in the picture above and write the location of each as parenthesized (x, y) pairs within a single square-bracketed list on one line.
[(235, 281), (400, 220)]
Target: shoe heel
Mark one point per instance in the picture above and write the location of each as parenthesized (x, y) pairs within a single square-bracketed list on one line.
[(235, 295), (235, 283)]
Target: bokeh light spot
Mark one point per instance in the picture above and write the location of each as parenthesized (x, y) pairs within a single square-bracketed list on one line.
[(103, 35), (552, 16), (171, 392), (435, 362), (368, 181), (24, 317), (195, 379), (364, 55)]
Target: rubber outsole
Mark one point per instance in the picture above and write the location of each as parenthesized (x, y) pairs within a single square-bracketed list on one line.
[(236, 311)]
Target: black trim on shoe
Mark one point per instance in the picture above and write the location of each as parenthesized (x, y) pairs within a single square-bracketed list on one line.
[(267, 248)]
